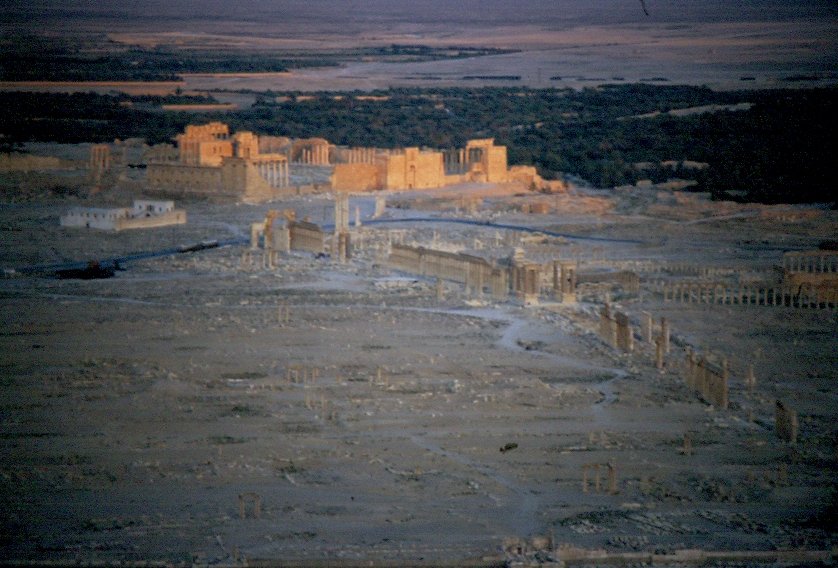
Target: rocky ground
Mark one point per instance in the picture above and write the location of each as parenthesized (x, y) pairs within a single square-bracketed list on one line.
[(374, 421)]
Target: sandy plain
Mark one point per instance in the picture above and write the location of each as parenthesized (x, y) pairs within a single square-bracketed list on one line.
[(719, 54), (136, 410)]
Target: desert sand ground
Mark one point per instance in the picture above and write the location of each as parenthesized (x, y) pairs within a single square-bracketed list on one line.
[(136, 410)]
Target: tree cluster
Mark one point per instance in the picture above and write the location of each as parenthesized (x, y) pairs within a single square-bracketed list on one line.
[(779, 150)]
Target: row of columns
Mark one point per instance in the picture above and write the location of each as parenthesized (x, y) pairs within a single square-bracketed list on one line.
[(318, 155), (361, 155), (460, 161), (616, 330), (100, 157), (564, 281), (455, 161), (277, 173), (811, 261), (806, 296), (711, 381), (595, 468), (526, 282), (684, 269)]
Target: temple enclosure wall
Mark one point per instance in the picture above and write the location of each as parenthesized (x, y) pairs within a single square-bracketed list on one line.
[(414, 169), (370, 169), (235, 178), (357, 177), (212, 162), (14, 162)]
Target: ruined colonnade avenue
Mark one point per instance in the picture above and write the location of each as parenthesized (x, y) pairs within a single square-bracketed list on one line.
[(468, 375)]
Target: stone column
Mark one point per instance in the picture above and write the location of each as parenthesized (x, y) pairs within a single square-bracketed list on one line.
[(612, 478), (647, 327), (665, 335), (380, 206), (659, 353), (568, 282)]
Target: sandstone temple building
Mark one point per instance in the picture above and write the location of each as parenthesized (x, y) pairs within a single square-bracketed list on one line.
[(414, 168), (211, 163)]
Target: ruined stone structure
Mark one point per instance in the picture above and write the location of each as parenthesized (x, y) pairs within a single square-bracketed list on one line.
[(274, 144), (307, 237), (481, 160), (625, 333), (815, 261), (646, 327), (786, 423), (15, 162), (798, 290), (100, 158), (514, 276), (99, 165), (526, 281), (358, 155), (415, 168), (607, 326), (627, 280), (710, 380), (358, 177), (211, 163), (255, 502), (340, 240), (528, 177), (472, 271), (564, 281), (812, 274), (595, 469), (312, 152), (615, 329)]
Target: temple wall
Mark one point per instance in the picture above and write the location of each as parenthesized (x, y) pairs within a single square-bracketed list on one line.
[(357, 177), (415, 169), (496, 169), (26, 162)]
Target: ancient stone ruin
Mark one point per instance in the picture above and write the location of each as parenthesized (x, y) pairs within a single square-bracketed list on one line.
[(211, 163)]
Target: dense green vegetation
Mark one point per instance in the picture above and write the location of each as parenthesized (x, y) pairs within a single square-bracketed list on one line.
[(40, 59), (88, 117), (142, 65), (780, 150)]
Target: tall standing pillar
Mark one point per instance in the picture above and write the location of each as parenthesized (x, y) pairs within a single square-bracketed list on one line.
[(647, 327), (568, 283)]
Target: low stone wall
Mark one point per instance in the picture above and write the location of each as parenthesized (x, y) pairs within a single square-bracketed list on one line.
[(176, 217), (27, 163)]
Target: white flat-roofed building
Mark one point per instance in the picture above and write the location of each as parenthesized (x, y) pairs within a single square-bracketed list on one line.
[(144, 214)]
